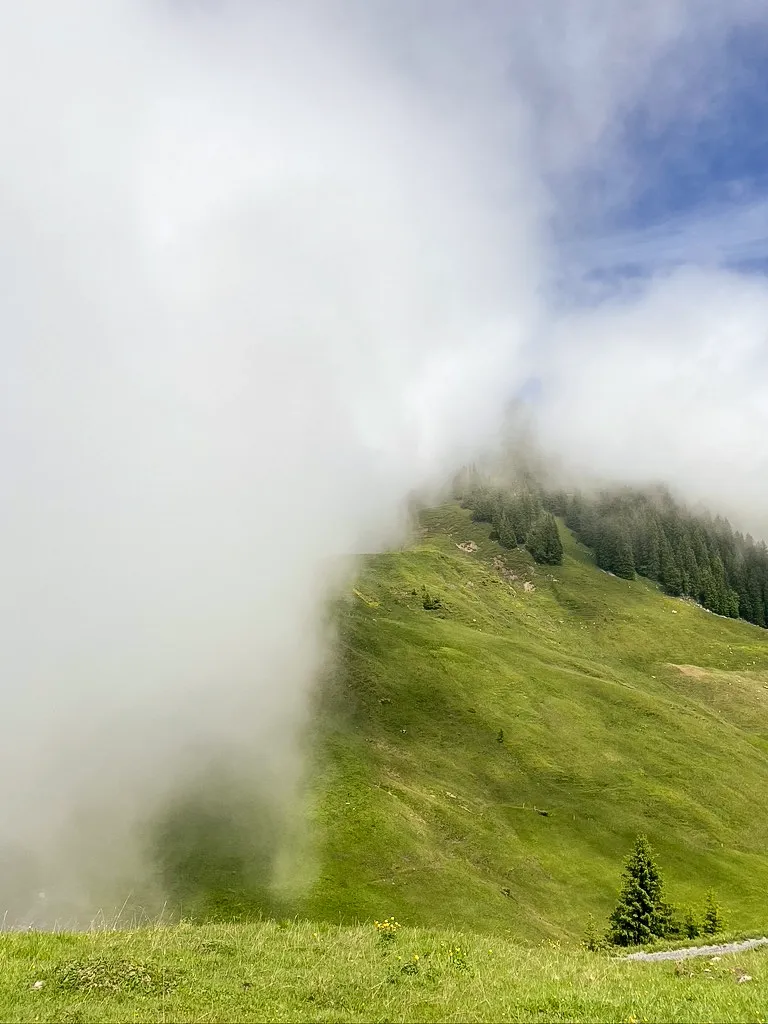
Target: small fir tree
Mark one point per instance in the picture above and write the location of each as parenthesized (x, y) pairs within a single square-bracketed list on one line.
[(691, 926), (713, 915), (641, 913), (592, 940)]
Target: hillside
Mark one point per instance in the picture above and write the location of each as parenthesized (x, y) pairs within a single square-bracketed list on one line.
[(622, 710), (480, 770)]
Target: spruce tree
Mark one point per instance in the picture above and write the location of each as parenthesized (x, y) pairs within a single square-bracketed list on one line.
[(605, 548), (691, 926), (641, 913), (708, 593), (624, 562), (732, 604), (483, 505), (756, 597), (518, 520), (544, 542), (648, 547), (504, 530), (700, 549), (720, 604), (669, 575), (575, 512), (713, 915), (528, 510), (554, 546), (689, 570)]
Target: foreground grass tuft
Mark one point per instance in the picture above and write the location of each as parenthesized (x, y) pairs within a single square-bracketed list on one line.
[(114, 975)]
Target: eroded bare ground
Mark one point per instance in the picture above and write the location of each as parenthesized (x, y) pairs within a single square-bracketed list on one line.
[(692, 671)]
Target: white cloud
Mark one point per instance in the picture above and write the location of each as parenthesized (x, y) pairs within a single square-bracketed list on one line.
[(249, 274), (669, 383)]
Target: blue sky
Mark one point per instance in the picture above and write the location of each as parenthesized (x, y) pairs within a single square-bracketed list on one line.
[(698, 175)]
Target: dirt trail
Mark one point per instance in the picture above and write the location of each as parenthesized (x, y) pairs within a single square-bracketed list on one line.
[(689, 951)]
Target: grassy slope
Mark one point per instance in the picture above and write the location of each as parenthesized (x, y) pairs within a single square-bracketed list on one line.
[(427, 816), (306, 972)]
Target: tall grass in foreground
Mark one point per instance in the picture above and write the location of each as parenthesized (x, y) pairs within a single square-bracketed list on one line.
[(306, 972)]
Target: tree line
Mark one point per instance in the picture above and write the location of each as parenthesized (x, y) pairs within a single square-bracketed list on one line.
[(517, 515), (631, 531), (697, 556)]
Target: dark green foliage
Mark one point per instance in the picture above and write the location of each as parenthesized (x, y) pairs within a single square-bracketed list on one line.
[(689, 569), (691, 926), (483, 504), (503, 528), (648, 532), (641, 913), (688, 555), (670, 576), (713, 915), (613, 550), (429, 601), (512, 513), (520, 522), (624, 564), (544, 542)]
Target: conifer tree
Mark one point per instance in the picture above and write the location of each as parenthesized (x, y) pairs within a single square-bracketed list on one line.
[(647, 546), (557, 503), (483, 505), (518, 520), (689, 570), (544, 542), (713, 915), (503, 527), (641, 913), (574, 512), (756, 599), (691, 926), (605, 548), (695, 555), (624, 562), (669, 574), (700, 549), (708, 593)]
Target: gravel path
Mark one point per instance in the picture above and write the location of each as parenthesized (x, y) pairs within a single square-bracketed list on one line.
[(684, 954)]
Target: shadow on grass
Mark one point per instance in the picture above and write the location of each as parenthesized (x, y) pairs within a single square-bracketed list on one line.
[(214, 848)]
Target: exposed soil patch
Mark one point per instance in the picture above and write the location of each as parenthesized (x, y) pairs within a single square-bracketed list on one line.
[(503, 569), (692, 671)]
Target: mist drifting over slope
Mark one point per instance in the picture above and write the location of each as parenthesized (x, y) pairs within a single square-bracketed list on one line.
[(250, 289), (265, 269)]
